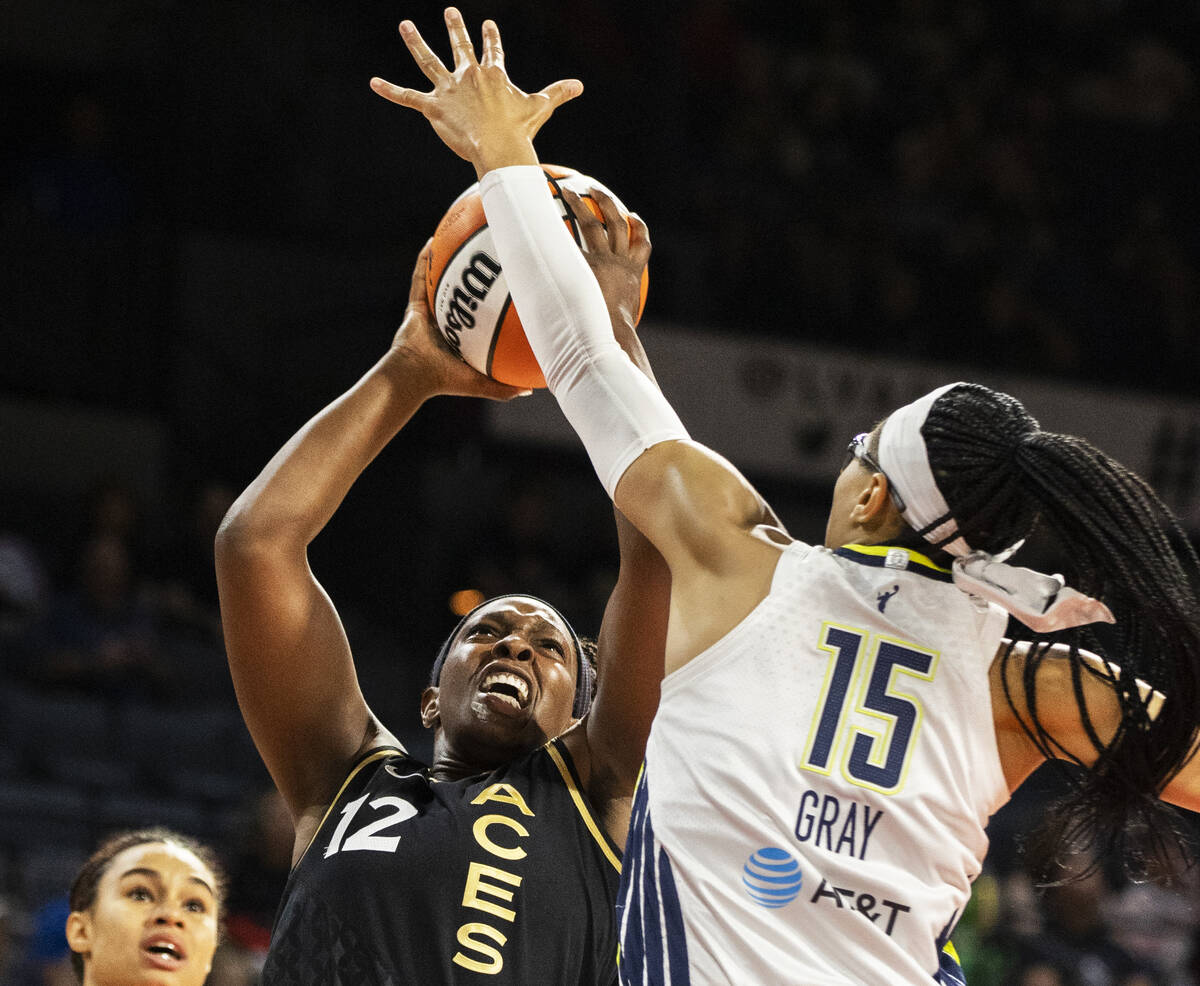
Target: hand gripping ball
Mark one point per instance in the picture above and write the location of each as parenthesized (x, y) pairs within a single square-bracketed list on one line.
[(467, 292)]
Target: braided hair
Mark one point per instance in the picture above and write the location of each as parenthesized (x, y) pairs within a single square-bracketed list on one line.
[(1001, 476)]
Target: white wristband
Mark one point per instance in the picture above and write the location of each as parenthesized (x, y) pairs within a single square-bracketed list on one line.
[(613, 407)]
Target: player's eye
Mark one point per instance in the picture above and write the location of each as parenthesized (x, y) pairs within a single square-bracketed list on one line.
[(139, 893), (196, 905)]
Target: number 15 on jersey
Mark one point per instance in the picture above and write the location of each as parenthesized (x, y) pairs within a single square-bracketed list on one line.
[(864, 723)]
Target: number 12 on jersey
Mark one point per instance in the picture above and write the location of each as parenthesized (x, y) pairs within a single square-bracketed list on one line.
[(861, 682)]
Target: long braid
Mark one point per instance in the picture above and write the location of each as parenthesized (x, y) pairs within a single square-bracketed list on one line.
[(1000, 475)]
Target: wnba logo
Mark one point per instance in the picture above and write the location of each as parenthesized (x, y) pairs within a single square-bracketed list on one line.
[(772, 877)]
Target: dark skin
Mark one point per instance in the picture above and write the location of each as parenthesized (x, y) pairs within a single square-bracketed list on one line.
[(288, 653), (517, 638)]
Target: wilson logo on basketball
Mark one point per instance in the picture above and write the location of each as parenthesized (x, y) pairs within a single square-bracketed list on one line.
[(467, 291), (476, 280)]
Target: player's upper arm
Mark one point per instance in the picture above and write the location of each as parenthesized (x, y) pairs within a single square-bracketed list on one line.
[(291, 663), (1184, 788), (719, 538), (692, 504), (630, 653), (1058, 709)]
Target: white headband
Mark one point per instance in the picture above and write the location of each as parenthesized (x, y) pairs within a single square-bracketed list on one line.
[(1042, 602), (905, 461)]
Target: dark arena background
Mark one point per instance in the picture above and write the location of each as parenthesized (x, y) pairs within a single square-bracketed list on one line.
[(209, 222)]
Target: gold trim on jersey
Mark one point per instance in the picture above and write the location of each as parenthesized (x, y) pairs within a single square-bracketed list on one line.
[(371, 757), (882, 550), (580, 805)]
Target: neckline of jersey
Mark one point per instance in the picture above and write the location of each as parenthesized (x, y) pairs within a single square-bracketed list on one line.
[(875, 555)]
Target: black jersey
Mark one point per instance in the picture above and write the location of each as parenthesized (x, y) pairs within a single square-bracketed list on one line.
[(504, 878)]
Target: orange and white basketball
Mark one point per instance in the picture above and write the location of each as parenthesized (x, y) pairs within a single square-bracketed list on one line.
[(468, 294)]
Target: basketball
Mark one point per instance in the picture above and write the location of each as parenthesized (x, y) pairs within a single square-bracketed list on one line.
[(468, 294)]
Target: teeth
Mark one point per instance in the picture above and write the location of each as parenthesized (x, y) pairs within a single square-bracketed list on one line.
[(519, 684), (163, 946)]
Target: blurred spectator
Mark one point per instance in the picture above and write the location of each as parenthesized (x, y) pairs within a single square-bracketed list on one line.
[(112, 508), (1038, 973), (24, 592), (1075, 936), (71, 253), (48, 959), (109, 508), (80, 186), (8, 951), (186, 582), (258, 874), (99, 636), (1156, 924)]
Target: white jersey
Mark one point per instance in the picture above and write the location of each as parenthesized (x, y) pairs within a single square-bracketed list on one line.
[(812, 807)]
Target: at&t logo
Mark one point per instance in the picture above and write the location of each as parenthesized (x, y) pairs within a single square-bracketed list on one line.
[(772, 877)]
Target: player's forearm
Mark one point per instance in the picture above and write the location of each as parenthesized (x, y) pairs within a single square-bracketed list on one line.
[(616, 410), (298, 491)]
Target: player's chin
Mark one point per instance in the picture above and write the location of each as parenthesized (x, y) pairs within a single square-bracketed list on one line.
[(509, 730), (501, 722)]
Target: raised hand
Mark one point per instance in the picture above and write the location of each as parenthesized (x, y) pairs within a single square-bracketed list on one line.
[(420, 342), (475, 109)]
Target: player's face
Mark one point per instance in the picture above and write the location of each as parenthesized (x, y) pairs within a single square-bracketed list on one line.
[(508, 683), (153, 922)]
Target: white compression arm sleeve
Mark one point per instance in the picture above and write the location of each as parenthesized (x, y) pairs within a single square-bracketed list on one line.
[(613, 407)]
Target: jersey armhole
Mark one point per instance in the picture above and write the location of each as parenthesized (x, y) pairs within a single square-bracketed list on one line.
[(368, 758), (789, 555), (566, 767)]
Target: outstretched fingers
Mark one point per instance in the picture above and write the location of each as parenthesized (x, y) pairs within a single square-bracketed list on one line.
[(474, 108), (460, 40), (423, 55), (418, 101), (493, 51), (560, 92)]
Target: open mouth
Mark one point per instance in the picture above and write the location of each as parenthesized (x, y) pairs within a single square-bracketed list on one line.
[(164, 953), (509, 688)]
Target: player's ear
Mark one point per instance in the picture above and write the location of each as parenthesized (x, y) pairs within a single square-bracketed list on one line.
[(429, 707), (79, 932), (869, 498), (874, 510)]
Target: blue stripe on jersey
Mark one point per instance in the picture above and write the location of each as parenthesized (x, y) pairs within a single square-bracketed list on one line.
[(649, 921), (949, 973)]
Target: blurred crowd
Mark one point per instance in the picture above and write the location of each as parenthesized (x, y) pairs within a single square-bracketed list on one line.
[(1009, 185), (972, 181), (1003, 183)]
